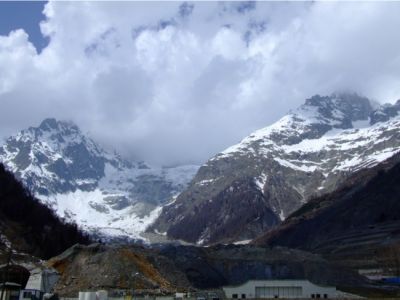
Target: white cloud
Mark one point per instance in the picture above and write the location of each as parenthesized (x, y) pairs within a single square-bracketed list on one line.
[(16, 55), (173, 83), (229, 44)]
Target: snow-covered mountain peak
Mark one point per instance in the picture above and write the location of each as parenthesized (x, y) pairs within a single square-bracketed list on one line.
[(51, 127), (385, 112), (83, 182), (51, 124), (338, 110), (62, 132), (310, 151), (58, 135), (313, 119)]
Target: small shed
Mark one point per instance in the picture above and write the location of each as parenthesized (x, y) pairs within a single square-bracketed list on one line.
[(9, 291), (13, 273), (12, 279)]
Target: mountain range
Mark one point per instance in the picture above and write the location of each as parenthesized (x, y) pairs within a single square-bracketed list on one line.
[(254, 185), (83, 183), (236, 196)]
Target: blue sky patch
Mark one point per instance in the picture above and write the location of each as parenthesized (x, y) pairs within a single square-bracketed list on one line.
[(26, 15)]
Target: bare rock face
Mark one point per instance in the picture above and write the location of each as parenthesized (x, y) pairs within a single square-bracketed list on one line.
[(385, 112), (250, 187), (97, 267), (357, 224), (240, 211)]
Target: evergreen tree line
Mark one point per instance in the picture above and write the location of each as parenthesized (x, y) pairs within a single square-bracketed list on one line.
[(39, 231)]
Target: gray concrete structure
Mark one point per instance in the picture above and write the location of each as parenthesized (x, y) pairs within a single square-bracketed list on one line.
[(280, 289)]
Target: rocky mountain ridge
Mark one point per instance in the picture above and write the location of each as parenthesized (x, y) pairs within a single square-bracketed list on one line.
[(101, 192), (275, 170), (357, 225)]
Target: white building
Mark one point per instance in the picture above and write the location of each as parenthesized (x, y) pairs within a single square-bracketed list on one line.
[(280, 289), (99, 295), (41, 281)]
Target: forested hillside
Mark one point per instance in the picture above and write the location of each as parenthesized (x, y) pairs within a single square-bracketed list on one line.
[(30, 226)]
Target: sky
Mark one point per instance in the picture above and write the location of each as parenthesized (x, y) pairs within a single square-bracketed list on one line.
[(177, 82), (23, 14)]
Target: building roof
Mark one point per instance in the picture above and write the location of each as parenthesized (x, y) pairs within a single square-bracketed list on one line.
[(272, 280), (11, 285)]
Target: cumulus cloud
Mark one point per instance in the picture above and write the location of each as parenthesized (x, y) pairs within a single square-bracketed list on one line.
[(174, 82)]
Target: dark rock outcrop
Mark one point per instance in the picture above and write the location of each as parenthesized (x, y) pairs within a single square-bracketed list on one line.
[(356, 225)]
